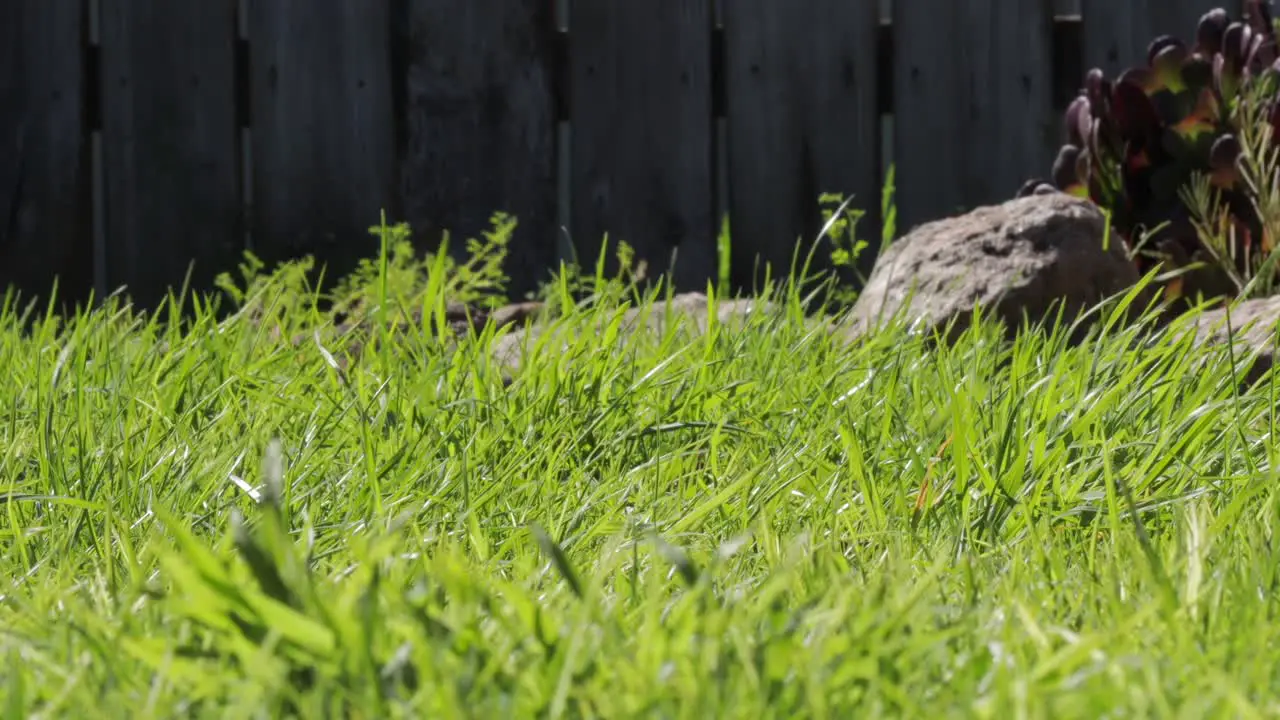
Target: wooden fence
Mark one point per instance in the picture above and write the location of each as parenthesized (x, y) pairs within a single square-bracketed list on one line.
[(138, 136)]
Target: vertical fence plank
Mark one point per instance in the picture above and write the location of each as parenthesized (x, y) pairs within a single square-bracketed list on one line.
[(480, 127), (45, 221), (1116, 34), (324, 154), (802, 121), (641, 154), (973, 102), (170, 144)]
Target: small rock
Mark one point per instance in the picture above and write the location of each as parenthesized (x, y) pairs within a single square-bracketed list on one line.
[(508, 350), (1021, 256), (1251, 325), (514, 313)]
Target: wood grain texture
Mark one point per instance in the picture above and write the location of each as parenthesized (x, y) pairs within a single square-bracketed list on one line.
[(45, 209), (322, 117), (1116, 34), (641, 155), (170, 144), (802, 121), (480, 128), (973, 103)]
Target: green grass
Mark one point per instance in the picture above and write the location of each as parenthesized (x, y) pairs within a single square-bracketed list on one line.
[(759, 521)]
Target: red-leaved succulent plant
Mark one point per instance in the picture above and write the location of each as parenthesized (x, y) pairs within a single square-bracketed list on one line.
[(1134, 144)]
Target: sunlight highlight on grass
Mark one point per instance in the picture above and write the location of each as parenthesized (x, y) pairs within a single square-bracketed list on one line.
[(765, 519)]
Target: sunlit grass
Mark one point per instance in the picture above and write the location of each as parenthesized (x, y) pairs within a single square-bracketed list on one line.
[(760, 520)]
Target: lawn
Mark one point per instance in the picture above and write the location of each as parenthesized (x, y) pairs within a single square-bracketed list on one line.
[(761, 520)]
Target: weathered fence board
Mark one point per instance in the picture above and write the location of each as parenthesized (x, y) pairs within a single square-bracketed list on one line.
[(481, 127), (170, 144), (973, 102), (802, 121), (1116, 34), (442, 116), (323, 128), (45, 220), (641, 157)]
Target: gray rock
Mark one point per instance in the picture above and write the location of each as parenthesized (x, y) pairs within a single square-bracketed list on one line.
[(508, 350), (1022, 256), (1251, 326)]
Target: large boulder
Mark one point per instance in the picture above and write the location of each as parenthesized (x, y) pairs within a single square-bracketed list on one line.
[(1017, 259)]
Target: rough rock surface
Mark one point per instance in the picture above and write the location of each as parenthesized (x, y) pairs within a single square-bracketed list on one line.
[(1252, 326), (354, 337), (509, 349), (527, 325), (460, 318), (1021, 256)]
